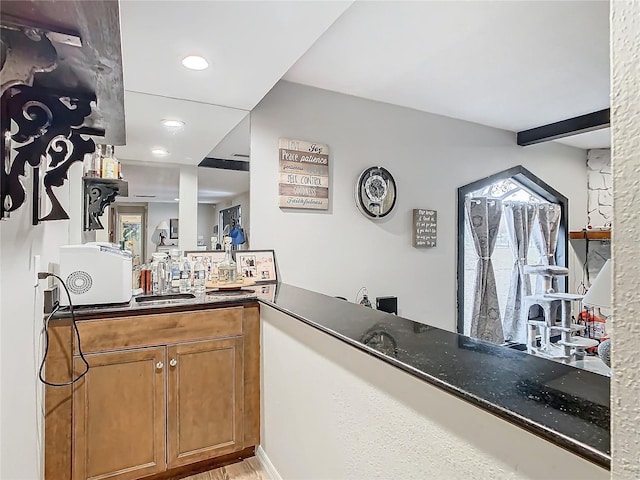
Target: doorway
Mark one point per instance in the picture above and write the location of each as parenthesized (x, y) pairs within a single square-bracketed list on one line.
[(130, 222)]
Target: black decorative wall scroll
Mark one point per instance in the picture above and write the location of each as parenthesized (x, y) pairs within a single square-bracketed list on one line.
[(98, 193), (47, 139)]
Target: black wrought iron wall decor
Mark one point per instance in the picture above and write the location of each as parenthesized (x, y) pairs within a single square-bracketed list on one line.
[(47, 139), (98, 193)]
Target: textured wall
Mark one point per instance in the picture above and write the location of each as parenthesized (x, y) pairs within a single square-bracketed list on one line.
[(21, 348), (599, 206), (330, 411), (600, 187), (625, 108)]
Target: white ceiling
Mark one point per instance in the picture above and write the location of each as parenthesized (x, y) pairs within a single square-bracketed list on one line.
[(160, 183), (512, 65), (205, 125), (235, 144), (249, 46), (508, 64)]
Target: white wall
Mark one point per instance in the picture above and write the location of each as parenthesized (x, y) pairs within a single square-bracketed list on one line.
[(625, 120), (164, 211), (330, 411), (207, 218), (430, 156), (188, 215), (158, 212), (20, 348)]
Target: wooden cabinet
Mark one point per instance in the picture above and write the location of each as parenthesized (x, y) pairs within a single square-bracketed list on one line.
[(205, 400), (163, 391), (118, 415)]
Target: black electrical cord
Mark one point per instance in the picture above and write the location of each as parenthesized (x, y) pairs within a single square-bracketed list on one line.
[(46, 337)]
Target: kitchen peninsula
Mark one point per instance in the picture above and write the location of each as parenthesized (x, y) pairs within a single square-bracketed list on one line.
[(564, 405)]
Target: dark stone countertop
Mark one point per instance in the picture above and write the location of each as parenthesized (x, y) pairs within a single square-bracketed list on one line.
[(211, 299), (561, 403)]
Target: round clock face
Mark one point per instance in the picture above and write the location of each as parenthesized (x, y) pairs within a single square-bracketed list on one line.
[(375, 192)]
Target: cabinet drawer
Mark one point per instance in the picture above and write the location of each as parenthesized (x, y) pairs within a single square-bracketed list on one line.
[(148, 330)]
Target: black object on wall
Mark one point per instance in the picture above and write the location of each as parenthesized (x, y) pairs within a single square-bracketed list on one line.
[(387, 304), (565, 128), (224, 164)]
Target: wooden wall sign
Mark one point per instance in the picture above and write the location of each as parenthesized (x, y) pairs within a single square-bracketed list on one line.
[(304, 175), (425, 228)]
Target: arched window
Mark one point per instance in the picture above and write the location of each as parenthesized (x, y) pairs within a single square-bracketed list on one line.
[(505, 221)]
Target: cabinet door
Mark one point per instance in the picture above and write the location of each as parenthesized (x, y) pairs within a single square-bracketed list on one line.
[(119, 415), (205, 400)]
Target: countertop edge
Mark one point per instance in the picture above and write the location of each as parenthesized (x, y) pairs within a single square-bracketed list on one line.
[(574, 446), (557, 438)]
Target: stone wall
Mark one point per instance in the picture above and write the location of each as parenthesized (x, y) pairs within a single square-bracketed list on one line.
[(600, 188), (599, 207)]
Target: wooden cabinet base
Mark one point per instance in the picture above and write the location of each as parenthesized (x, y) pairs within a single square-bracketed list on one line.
[(205, 466), (172, 397)]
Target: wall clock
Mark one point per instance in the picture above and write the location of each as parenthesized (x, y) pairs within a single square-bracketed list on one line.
[(375, 192)]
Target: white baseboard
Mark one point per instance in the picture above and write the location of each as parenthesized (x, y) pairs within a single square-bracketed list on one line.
[(266, 464)]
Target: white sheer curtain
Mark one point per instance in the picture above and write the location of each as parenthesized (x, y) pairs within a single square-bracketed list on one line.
[(545, 238), (519, 218), (483, 217)]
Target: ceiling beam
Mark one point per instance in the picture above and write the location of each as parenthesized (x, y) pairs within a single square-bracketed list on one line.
[(565, 128), (209, 162)]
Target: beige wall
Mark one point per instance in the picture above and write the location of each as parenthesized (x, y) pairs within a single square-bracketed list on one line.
[(625, 108)]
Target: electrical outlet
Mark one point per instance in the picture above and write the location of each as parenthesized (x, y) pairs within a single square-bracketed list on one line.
[(36, 269)]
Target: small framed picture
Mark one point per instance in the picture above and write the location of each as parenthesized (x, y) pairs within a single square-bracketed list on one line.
[(210, 258), (173, 228), (257, 265)]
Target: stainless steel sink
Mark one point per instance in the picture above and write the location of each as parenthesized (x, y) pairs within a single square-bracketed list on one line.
[(160, 298)]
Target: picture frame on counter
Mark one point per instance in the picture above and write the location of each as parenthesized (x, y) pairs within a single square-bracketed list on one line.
[(173, 228), (257, 265), (209, 257)]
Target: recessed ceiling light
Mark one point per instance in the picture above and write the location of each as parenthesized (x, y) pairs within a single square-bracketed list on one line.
[(195, 62), (160, 152), (173, 123)]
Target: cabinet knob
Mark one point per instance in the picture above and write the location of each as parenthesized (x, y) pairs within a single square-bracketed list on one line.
[(159, 365), (173, 362)]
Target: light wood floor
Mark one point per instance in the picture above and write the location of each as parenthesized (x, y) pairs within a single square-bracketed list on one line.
[(248, 469)]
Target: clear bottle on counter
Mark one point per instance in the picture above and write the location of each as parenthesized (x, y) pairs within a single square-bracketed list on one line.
[(92, 166), (109, 164), (175, 270), (199, 276), (209, 268), (227, 270), (145, 279), (185, 276), (159, 273)]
